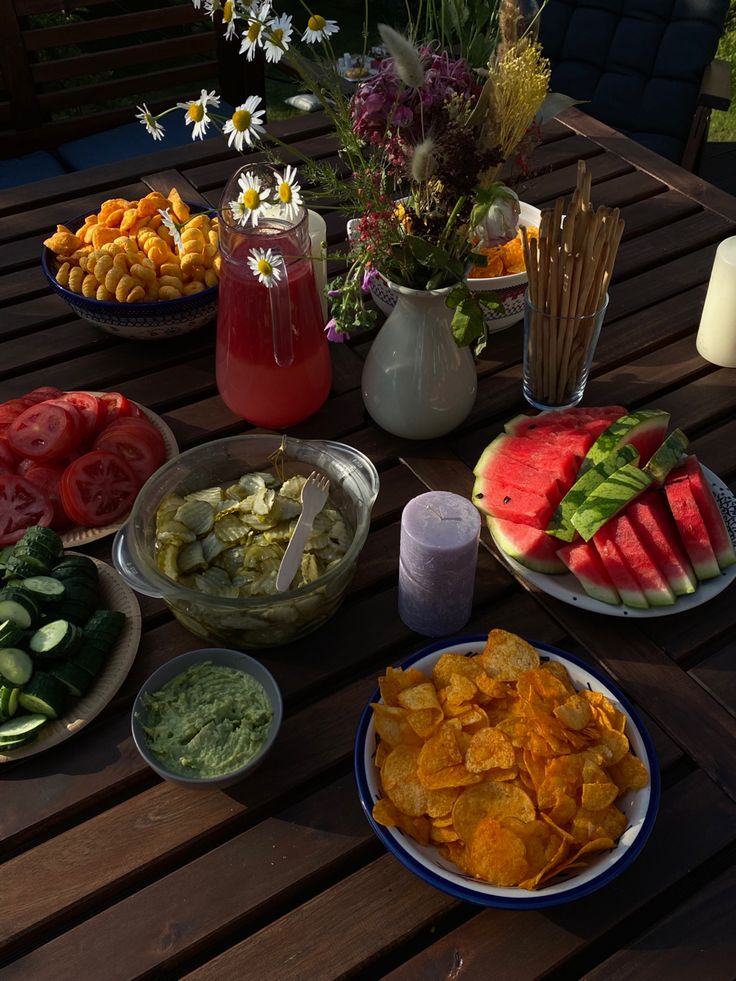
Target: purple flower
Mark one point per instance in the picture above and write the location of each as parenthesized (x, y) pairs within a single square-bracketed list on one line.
[(333, 334), (369, 274)]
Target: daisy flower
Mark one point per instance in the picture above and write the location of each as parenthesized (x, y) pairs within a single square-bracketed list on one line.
[(319, 29), (251, 199), (196, 112), (245, 124), (229, 16), (154, 127), (172, 228), (276, 37), (253, 37), (266, 265), (288, 193), (211, 7)]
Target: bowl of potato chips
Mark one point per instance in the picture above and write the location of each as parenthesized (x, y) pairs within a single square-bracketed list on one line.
[(504, 773), (122, 270)]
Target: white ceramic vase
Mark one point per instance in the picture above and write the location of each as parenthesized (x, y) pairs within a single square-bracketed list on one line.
[(417, 383)]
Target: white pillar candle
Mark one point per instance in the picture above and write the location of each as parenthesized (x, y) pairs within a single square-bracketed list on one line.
[(437, 559), (318, 235), (716, 340)]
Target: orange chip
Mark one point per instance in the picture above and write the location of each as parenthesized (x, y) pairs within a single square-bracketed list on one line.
[(393, 726), (102, 235), (178, 206), (489, 686), (608, 715), (496, 854), (473, 719), (382, 751), (385, 813), (460, 689), (423, 722), (611, 747), (506, 656), (450, 776), (443, 834), (561, 673), (454, 851), (450, 664), (629, 773), (564, 810), (395, 680), (489, 748), (401, 782), (596, 796), (440, 803), (440, 751), (442, 822), (575, 712), (422, 696), (152, 203), (498, 800)]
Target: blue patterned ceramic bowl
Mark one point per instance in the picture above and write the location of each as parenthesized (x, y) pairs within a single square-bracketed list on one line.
[(136, 321)]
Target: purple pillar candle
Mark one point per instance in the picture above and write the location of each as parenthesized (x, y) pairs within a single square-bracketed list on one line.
[(437, 559)]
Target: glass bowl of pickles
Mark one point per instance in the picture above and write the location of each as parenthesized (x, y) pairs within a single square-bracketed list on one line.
[(208, 531)]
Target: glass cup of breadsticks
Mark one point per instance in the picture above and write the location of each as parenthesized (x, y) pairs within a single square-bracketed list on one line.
[(569, 268)]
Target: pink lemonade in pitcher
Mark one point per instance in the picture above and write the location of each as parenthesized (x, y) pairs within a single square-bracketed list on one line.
[(273, 359)]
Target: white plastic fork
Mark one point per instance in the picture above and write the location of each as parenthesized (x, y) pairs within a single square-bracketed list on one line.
[(314, 498)]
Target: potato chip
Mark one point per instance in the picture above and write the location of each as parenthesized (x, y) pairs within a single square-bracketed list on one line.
[(498, 800), (629, 773), (506, 656), (422, 696), (382, 751), (608, 715), (401, 782), (473, 719), (574, 713), (496, 854), (440, 804), (489, 686), (423, 722), (489, 748), (395, 680), (450, 664), (460, 689), (393, 726), (596, 796), (443, 834), (561, 673), (610, 748), (564, 810)]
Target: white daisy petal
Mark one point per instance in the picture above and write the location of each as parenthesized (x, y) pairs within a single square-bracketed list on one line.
[(246, 124), (276, 38), (319, 29), (153, 126), (266, 265), (173, 229), (288, 193)]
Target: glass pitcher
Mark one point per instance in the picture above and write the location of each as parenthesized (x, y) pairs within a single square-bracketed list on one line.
[(272, 355)]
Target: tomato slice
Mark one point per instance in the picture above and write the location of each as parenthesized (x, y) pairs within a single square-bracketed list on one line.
[(7, 458), (48, 477), (44, 432), (90, 411), (43, 393), (22, 505), (98, 488), (115, 406), (134, 447), (11, 410), (140, 429)]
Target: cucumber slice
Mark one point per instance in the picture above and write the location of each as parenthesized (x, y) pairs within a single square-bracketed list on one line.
[(44, 587), (103, 628), (5, 554), (15, 665), (25, 566), (10, 634), (90, 659), (75, 679), (79, 564), (19, 607), (43, 537), (8, 701), (23, 726), (43, 694), (56, 639)]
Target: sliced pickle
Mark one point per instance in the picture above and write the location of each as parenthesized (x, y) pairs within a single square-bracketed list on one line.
[(212, 546), (230, 528), (191, 558), (198, 516), (212, 495), (167, 560)]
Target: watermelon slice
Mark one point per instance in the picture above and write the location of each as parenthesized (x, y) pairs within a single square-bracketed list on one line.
[(575, 441), (710, 513), (621, 576), (608, 498), (653, 584), (561, 525), (653, 524), (575, 418), (690, 525), (502, 471), (645, 430), (584, 563), (667, 456), (529, 546), (537, 455), (502, 500)]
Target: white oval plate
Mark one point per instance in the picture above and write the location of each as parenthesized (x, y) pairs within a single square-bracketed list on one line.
[(115, 595), (567, 588), (640, 806), (83, 536)]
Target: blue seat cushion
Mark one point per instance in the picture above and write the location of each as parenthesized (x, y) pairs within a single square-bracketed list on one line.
[(131, 140), (31, 167), (637, 64)]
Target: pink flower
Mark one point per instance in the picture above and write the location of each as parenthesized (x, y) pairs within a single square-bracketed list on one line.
[(333, 334)]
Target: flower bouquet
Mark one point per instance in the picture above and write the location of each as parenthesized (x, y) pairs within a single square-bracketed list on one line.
[(422, 143)]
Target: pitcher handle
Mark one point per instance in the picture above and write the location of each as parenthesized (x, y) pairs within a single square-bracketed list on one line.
[(278, 295)]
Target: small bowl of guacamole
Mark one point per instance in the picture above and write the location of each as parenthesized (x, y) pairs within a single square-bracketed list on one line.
[(207, 718)]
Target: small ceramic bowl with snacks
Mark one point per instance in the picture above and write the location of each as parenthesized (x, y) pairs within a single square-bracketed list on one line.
[(208, 531), (142, 319), (208, 718)]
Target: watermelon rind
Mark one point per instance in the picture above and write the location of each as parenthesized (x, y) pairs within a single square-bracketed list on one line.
[(645, 570), (667, 457), (528, 546), (656, 529), (608, 498), (585, 564), (690, 525), (622, 577), (720, 540), (561, 525), (644, 427), (574, 418)]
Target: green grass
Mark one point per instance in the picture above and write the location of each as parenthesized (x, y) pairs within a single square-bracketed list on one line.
[(723, 124)]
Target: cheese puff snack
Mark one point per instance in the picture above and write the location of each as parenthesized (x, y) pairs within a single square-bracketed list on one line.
[(126, 253)]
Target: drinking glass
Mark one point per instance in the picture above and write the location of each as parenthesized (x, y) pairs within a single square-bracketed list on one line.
[(558, 352)]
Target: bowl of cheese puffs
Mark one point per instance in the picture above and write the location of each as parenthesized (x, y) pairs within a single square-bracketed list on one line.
[(123, 270)]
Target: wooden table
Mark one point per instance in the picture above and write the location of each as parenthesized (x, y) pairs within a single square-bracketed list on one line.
[(110, 873)]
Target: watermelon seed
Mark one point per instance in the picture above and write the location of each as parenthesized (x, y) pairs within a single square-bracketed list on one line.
[(506, 500)]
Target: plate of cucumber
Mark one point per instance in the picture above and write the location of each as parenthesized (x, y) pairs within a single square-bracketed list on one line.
[(69, 632)]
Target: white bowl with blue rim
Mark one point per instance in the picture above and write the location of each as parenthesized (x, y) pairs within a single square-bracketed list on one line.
[(640, 806)]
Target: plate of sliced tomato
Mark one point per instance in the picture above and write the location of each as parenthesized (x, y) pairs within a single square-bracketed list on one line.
[(75, 461)]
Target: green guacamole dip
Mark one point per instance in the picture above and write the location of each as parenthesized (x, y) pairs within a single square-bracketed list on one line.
[(207, 721)]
